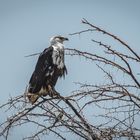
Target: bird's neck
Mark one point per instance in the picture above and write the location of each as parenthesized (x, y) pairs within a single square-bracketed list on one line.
[(58, 45)]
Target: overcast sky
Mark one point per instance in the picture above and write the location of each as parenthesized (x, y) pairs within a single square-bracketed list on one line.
[(27, 25)]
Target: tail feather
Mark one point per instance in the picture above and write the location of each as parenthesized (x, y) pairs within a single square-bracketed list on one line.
[(32, 97)]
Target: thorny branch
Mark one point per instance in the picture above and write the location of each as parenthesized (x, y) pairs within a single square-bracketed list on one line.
[(84, 21), (114, 106)]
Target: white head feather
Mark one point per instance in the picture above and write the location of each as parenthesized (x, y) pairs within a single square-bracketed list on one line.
[(57, 39)]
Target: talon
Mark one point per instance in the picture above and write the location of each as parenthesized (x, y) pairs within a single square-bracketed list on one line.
[(52, 91), (49, 88)]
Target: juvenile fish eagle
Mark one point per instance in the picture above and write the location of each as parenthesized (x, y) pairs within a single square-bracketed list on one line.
[(50, 66)]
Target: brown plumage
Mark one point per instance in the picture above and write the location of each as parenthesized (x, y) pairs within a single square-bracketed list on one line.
[(50, 66)]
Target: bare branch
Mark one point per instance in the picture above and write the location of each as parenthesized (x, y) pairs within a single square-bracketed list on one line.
[(104, 111)]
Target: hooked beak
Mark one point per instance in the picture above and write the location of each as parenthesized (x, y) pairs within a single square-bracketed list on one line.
[(66, 39)]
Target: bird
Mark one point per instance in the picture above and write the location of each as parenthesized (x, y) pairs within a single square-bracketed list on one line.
[(50, 66)]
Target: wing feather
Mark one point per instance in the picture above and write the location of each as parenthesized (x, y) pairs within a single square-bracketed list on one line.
[(42, 66)]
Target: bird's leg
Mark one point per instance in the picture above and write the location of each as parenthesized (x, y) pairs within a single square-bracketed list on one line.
[(52, 91)]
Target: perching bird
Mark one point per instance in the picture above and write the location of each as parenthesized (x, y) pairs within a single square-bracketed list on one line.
[(49, 68)]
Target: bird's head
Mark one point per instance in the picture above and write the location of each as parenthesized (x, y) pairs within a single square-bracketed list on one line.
[(58, 39)]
